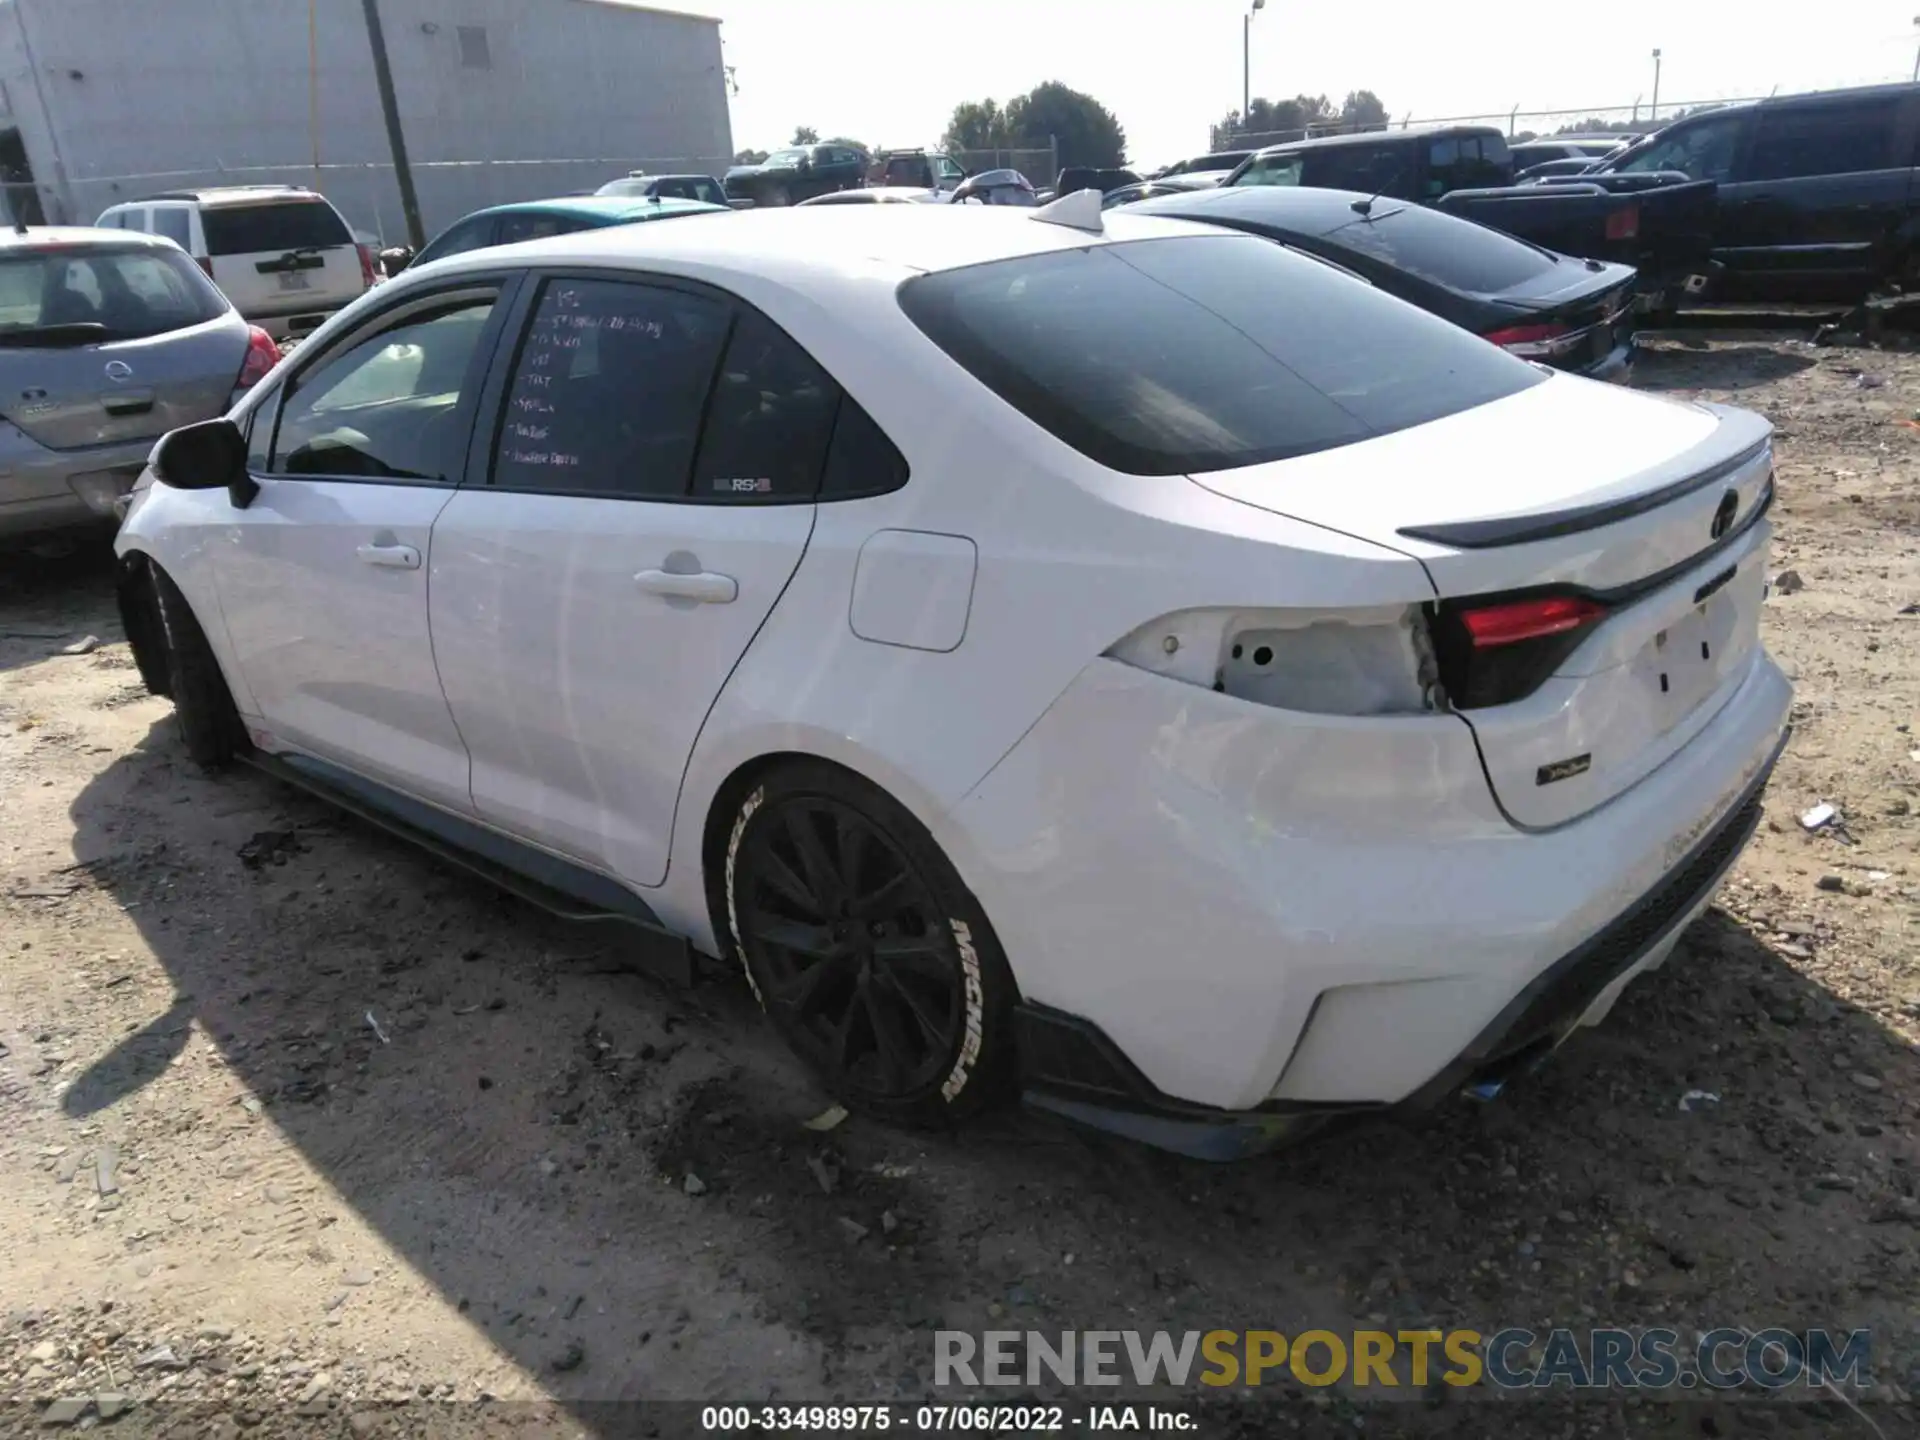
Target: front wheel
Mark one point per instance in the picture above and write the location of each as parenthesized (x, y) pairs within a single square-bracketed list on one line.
[(867, 951), (779, 195), (209, 723)]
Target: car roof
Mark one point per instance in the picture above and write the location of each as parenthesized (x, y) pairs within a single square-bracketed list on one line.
[(1374, 137), (603, 209), (225, 195), (829, 240), (42, 236)]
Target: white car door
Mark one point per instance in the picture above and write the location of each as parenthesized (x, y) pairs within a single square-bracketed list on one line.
[(651, 493), (323, 579)]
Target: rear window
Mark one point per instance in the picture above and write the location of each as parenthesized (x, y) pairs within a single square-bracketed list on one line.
[(1164, 357), (1447, 251), (281, 226), (129, 293)]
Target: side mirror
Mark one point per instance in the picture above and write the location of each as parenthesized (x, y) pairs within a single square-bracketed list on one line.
[(806, 162), (211, 455)]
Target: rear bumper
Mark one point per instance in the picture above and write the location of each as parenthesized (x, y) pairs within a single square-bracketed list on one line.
[(45, 490), (1272, 914), (1071, 1067)]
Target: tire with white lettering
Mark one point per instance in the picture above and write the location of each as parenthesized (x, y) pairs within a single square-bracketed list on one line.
[(870, 955), (209, 723)]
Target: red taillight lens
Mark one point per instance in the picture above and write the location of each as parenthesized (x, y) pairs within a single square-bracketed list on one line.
[(262, 356), (1624, 223), (1528, 339), (368, 269), (1519, 620)]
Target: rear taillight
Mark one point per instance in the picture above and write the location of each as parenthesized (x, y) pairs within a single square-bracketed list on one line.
[(1521, 620), (1624, 223), (262, 356), (1493, 652), (1532, 342), (368, 268)]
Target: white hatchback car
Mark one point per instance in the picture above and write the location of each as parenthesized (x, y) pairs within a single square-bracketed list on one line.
[(1114, 659)]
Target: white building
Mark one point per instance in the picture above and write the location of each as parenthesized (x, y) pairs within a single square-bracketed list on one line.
[(107, 100)]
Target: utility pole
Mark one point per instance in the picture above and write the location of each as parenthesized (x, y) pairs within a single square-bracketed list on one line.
[(1916, 58), (390, 107), (1246, 61), (1654, 113)]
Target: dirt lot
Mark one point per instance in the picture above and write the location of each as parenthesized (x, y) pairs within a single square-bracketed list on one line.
[(340, 1128)]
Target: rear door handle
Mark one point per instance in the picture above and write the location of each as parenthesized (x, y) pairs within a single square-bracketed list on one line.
[(704, 586), (392, 557)]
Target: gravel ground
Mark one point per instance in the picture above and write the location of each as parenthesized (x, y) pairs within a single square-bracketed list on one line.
[(301, 1132)]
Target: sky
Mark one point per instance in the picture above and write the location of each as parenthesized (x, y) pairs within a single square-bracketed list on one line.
[(889, 72)]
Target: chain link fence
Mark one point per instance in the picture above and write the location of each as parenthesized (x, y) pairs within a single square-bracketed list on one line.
[(1517, 124), (1039, 166), (364, 192)]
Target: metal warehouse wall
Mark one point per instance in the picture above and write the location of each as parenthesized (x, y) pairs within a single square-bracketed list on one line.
[(499, 99)]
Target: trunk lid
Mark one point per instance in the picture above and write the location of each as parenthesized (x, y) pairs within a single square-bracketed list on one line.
[(81, 396), (1653, 510)]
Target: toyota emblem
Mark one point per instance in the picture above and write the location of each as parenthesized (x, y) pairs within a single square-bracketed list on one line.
[(119, 371), (1723, 514)]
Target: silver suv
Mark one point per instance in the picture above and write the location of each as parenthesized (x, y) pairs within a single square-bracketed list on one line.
[(282, 253)]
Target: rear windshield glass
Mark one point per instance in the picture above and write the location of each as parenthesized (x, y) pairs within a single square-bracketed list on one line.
[(1163, 357), (285, 225), (1448, 251), (128, 292)]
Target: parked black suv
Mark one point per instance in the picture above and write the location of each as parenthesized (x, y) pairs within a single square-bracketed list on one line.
[(1816, 192), (800, 172), (1420, 165)]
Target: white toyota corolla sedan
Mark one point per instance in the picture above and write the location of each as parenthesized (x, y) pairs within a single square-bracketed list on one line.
[(1104, 658)]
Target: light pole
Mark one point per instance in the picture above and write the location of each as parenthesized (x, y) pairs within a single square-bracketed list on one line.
[(1246, 61), (1654, 113), (1916, 58)]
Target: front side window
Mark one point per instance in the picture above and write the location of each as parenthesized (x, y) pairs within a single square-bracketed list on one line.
[(1702, 149), (388, 407), (608, 390), (514, 228), (1163, 357), (710, 192), (1797, 142)]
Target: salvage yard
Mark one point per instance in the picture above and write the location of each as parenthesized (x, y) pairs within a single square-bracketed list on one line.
[(303, 1125)]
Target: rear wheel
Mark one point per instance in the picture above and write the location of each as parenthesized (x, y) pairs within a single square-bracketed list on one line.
[(868, 953), (779, 195), (209, 722)]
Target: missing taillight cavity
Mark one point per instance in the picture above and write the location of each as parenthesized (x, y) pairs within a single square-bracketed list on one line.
[(1624, 223), (1494, 651)]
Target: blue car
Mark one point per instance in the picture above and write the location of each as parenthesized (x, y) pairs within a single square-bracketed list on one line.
[(535, 219)]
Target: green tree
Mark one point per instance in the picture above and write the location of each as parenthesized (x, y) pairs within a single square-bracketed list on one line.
[(749, 157), (1363, 110), (805, 135), (1087, 132), (1283, 117), (850, 143), (977, 125)]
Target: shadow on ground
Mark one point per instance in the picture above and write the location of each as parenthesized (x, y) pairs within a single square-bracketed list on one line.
[(529, 1120)]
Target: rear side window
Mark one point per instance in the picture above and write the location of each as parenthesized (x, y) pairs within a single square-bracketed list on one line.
[(1794, 142), (608, 390), (769, 420), (1162, 357), (1272, 170), (128, 293), (174, 223), (1369, 169), (514, 228), (277, 227), (1443, 249)]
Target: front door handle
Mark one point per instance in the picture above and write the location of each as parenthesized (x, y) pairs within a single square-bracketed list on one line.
[(704, 586), (392, 557)]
